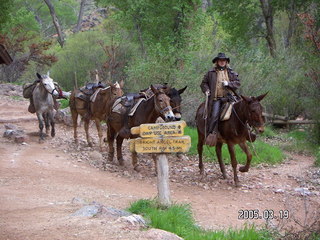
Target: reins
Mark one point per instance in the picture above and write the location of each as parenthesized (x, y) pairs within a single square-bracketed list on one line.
[(246, 126)]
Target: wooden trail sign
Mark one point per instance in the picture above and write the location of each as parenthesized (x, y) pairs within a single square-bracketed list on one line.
[(172, 129), (161, 138)]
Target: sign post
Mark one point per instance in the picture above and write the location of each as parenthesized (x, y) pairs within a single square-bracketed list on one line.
[(161, 138)]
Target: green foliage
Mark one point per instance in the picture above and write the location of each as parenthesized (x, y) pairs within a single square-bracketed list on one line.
[(33, 15), (317, 162), (81, 54), (299, 141), (5, 10), (178, 219), (21, 18), (261, 151), (240, 22), (64, 103), (268, 132)]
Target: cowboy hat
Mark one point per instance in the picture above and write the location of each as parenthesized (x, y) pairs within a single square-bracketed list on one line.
[(221, 56)]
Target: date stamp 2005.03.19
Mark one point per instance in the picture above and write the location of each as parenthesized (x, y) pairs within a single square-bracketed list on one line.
[(267, 214)]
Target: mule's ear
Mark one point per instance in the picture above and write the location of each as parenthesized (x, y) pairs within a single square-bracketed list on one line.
[(121, 84), (259, 98), (182, 90), (39, 76), (48, 73), (154, 90), (247, 99)]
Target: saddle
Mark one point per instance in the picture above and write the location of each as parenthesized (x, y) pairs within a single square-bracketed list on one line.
[(88, 90), (127, 102)]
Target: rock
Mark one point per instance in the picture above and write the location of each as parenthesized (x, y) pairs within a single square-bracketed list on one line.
[(77, 200), (279, 190), (87, 211), (64, 116), (20, 138), (158, 234), (110, 211), (12, 133), (96, 156), (134, 220), (303, 191), (10, 126)]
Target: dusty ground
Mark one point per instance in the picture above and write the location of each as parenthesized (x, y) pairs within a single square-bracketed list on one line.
[(39, 181)]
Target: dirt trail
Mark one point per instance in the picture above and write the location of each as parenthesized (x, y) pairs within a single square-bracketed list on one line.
[(39, 181)]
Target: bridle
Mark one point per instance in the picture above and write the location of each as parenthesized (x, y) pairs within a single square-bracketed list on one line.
[(47, 89), (158, 109), (247, 124)]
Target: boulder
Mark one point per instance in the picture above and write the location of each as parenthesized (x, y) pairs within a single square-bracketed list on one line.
[(158, 234)]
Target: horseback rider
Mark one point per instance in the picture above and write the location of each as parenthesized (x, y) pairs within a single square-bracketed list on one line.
[(218, 84)]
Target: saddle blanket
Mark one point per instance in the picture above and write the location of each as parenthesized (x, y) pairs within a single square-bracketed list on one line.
[(134, 108), (118, 107), (226, 111), (94, 95), (85, 97)]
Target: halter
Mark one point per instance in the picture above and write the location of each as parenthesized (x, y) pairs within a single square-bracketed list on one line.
[(47, 89), (161, 111), (247, 125)]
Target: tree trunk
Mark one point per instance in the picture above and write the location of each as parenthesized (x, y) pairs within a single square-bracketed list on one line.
[(268, 17), (78, 27), (292, 22), (138, 28), (55, 22)]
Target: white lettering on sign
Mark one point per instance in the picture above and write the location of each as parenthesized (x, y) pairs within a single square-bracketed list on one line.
[(161, 145), (172, 129)]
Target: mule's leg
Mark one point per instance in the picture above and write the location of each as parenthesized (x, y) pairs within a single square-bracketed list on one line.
[(119, 141), (245, 148), (51, 119), (110, 138), (234, 164), (100, 134), (74, 116), (200, 151), (86, 129), (40, 119), (219, 156), (46, 122), (135, 165)]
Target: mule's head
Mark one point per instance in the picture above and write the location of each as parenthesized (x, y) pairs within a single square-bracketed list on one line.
[(116, 89), (255, 117), (162, 104), (48, 84), (175, 101)]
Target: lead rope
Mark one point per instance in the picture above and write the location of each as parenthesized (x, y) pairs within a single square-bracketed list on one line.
[(205, 117), (246, 126)]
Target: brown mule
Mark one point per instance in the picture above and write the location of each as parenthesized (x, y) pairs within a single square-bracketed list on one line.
[(147, 112), (233, 131), (99, 110)]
